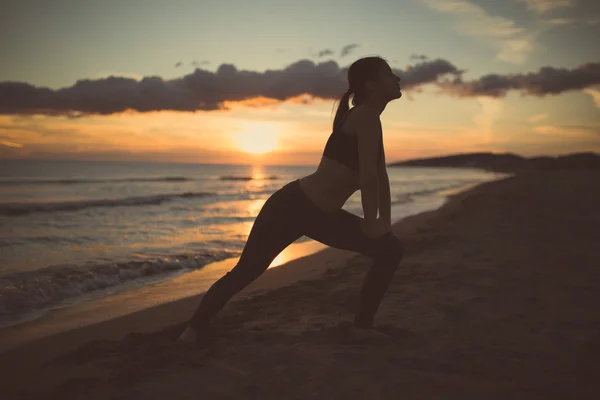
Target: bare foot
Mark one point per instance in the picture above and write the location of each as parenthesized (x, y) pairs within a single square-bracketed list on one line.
[(188, 336)]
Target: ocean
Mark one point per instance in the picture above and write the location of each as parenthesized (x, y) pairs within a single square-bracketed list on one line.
[(71, 231)]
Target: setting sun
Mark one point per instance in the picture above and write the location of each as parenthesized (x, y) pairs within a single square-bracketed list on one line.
[(257, 139)]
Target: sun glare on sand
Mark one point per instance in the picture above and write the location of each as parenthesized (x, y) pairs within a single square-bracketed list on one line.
[(256, 139)]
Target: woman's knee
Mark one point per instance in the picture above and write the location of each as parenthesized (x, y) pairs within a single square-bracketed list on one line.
[(246, 272), (392, 249)]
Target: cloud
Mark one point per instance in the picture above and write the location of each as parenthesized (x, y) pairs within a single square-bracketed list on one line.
[(563, 133), (514, 50), (348, 49), (476, 21), (595, 95), (104, 74), (543, 6), (561, 21), (427, 72), (199, 90), (304, 79), (513, 42), (326, 52), (538, 117), (10, 144), (546, 81)]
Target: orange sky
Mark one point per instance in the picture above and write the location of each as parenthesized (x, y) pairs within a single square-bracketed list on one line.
[(267, 132), (519, 76)]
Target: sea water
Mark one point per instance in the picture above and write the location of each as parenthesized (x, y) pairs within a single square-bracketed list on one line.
[(74, 230)]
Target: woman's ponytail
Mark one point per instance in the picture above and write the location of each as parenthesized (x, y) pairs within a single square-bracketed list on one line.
[(342, 108)]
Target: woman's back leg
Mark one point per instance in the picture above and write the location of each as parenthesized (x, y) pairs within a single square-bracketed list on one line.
[(274, 229)]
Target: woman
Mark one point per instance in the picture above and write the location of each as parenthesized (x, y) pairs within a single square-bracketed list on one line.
[(353, 159)]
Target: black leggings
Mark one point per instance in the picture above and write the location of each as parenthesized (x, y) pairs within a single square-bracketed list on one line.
[(286, 216)]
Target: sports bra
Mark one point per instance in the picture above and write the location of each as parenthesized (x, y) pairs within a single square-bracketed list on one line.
[(343, 147)]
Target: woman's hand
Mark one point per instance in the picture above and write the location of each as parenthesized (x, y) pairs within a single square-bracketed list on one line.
[(387, 222), (377, 227)]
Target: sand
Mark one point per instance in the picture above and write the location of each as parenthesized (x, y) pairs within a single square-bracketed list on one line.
[(497, 297)]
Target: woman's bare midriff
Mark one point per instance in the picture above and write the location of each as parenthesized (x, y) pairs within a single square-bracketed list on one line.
[(330, 186)]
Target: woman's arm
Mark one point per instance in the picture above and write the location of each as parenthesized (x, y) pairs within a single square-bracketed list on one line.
[(367, 133), (385, 201)]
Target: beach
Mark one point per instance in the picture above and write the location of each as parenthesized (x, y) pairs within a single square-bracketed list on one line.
[(496, 297), (75, 232)]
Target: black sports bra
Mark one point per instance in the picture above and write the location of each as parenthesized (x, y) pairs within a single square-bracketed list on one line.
[(343, 147)]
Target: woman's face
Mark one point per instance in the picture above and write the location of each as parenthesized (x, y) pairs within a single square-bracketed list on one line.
[(387, 84)]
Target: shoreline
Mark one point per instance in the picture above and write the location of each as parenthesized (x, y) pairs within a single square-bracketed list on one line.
[(102, 309), (127, 302), (288, 273), (20, 334)]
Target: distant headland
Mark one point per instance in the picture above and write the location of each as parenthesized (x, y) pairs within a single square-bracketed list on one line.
[(506, 162)]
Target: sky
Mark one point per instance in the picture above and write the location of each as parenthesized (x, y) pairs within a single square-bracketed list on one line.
[(240, 82)]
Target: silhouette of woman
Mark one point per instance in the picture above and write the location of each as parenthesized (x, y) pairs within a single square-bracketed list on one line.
[(353, 159)]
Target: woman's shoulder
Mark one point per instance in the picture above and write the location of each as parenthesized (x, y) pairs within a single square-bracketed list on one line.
[(361, 115)]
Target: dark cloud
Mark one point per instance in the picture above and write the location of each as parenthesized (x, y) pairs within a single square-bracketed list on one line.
[(200, 90), (205, 90), (348, 49), (426, 72), (326, 52), (546, 81)]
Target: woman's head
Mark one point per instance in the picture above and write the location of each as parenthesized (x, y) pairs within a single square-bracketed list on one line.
[(369, 79)]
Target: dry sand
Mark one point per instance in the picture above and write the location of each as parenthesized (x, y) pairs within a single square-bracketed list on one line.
[(498, 297)]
